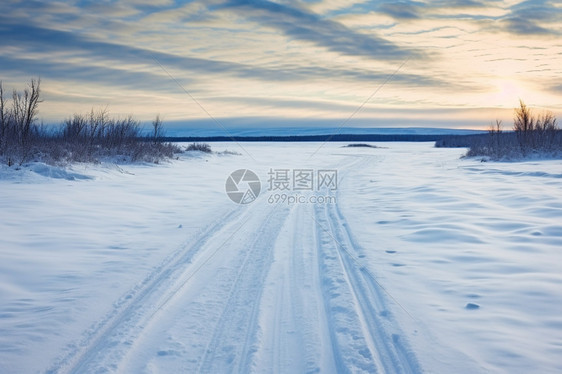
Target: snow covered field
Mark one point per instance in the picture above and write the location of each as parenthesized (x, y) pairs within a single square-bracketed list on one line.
[(417, 262)]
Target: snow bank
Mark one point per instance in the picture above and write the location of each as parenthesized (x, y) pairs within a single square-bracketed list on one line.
[(471, 250), (426, 263)]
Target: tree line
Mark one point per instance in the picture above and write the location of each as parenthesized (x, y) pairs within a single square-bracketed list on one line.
[(533, 135), (88, 137)]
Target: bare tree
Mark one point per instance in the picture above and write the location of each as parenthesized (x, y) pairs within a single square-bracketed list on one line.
[(495, 137), (546, 122), (24, 113), (17, 123), (32, 95), (3, 118), (545, 130), (74, 128), (523, 124), (157, 128), (523, 120), (80, 138), (536, 134)]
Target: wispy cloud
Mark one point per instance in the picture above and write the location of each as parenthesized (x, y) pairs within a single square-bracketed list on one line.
[(286, 58), (534, 17), (302, 24), (402, 10), (49, 41)]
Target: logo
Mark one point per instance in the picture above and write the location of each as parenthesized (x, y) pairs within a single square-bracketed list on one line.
[(243, 186)]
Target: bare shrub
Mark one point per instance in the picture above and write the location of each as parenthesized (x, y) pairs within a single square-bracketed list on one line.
[(99, 136), (523, 125), (533, 135), (80, 138), (4, 120), (17, 122), (545, 131), (157, 129), (202, 147)]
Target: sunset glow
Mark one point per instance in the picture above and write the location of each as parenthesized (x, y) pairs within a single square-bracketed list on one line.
[(422, 63)]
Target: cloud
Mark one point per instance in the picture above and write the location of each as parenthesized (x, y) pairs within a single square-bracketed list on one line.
[(38, 40), (556, 89), (194, 12), (463, 3), (291, 58), (151, 3), (416, 10), (402, 10), (538, 18), (77, 72), (440, 118), (104, 59), (332, 6), (524, 26), (304, 25)]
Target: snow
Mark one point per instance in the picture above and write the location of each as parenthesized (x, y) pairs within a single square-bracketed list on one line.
[(425, 263)]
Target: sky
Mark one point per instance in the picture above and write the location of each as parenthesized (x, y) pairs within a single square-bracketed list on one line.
[(296, 63)]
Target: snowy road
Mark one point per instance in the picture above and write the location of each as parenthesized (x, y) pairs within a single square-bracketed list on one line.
[(417, 262), (266, 288)]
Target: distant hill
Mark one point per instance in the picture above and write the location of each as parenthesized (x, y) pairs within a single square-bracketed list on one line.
[(441, 139), (306, 132)]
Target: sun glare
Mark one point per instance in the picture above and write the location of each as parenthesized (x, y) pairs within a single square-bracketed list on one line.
[(506, 93)]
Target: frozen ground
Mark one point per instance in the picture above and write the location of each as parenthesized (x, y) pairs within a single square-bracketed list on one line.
[(424, 263)]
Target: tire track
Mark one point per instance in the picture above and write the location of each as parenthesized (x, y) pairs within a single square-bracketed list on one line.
[(234, 341), (293, 327), (112, 335), (350, 349), (365, 336), (324, 302), (391, 347)]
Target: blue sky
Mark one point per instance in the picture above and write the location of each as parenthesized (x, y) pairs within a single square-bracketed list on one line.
[(255, 63)]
